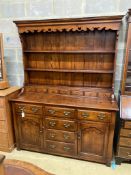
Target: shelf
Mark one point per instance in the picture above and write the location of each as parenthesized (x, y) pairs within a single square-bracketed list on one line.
[(71, 51), (70, 70)]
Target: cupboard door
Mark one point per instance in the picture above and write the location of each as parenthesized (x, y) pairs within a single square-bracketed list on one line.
[(30, 132), (93, 140)]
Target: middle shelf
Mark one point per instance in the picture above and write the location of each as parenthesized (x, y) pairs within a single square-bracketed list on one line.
[(70, 70)]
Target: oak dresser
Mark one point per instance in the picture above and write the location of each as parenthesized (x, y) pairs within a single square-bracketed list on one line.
[(68, 106)]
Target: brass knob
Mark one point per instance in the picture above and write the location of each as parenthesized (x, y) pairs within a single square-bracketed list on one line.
[(34, 109), (67, 148), (67, 113), (67, 125), (85, 114), (101, 116), (52, 135), (52, 146), (79, 135), (21, 108), (66, 136), (51, 111), (52, 123)]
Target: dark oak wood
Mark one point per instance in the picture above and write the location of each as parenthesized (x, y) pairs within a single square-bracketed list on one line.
[(69, 67)]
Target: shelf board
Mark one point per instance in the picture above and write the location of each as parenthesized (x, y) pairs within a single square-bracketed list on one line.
[(70, 70), (70, 51)]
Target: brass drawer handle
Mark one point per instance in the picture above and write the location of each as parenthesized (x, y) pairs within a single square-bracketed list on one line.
[(67, 113), (52, 146), (34, 109), (21, 108), (85, 114), (52, 123), (66, 137), (41, 131), (67, 125), (101, 116), (67, 148), (52, 135), (51, 111)]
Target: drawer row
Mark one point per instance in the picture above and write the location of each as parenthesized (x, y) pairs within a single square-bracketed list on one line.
[(124, 150), (67, 113)]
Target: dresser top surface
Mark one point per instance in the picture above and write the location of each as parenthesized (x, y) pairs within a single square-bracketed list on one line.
[(9, 90), (67, 100)]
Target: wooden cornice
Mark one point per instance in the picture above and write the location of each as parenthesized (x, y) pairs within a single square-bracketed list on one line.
[(70, 24)]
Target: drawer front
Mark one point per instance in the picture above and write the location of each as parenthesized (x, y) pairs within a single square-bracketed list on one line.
[(63, 136), (124, 152), (3, 127), (59, 112), (125, 142), (2, 114), (60, 124), (94, 115), (28, 108), (125, 133), (127, 124), (64, 92), (60, 148), (75, 92), (3, 140)]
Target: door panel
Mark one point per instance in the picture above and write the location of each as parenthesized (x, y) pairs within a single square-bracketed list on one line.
[(93, 137), (30, 132)]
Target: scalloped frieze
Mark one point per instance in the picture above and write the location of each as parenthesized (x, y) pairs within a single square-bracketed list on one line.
[(67, 28)]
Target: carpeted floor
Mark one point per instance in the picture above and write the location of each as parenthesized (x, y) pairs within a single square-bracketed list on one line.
[(65, 166)]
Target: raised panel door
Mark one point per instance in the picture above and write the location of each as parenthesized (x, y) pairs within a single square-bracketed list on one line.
[(30, 132), (92, 140)]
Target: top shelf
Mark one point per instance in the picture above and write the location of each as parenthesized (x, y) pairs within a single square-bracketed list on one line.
[(70, 51)]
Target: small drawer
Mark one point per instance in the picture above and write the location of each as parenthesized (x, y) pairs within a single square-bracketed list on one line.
[(64, 92), (2, 114), (53, 91), (41, 89), (125, 133), (3, 127), (94, 115), (60, 124), (124, 152), (28, 108), (125, 141), (60, 148), (127, 124), (60, 112), (79, 93), (3, 140), (63, 136), (104, 95), (91, 93)]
